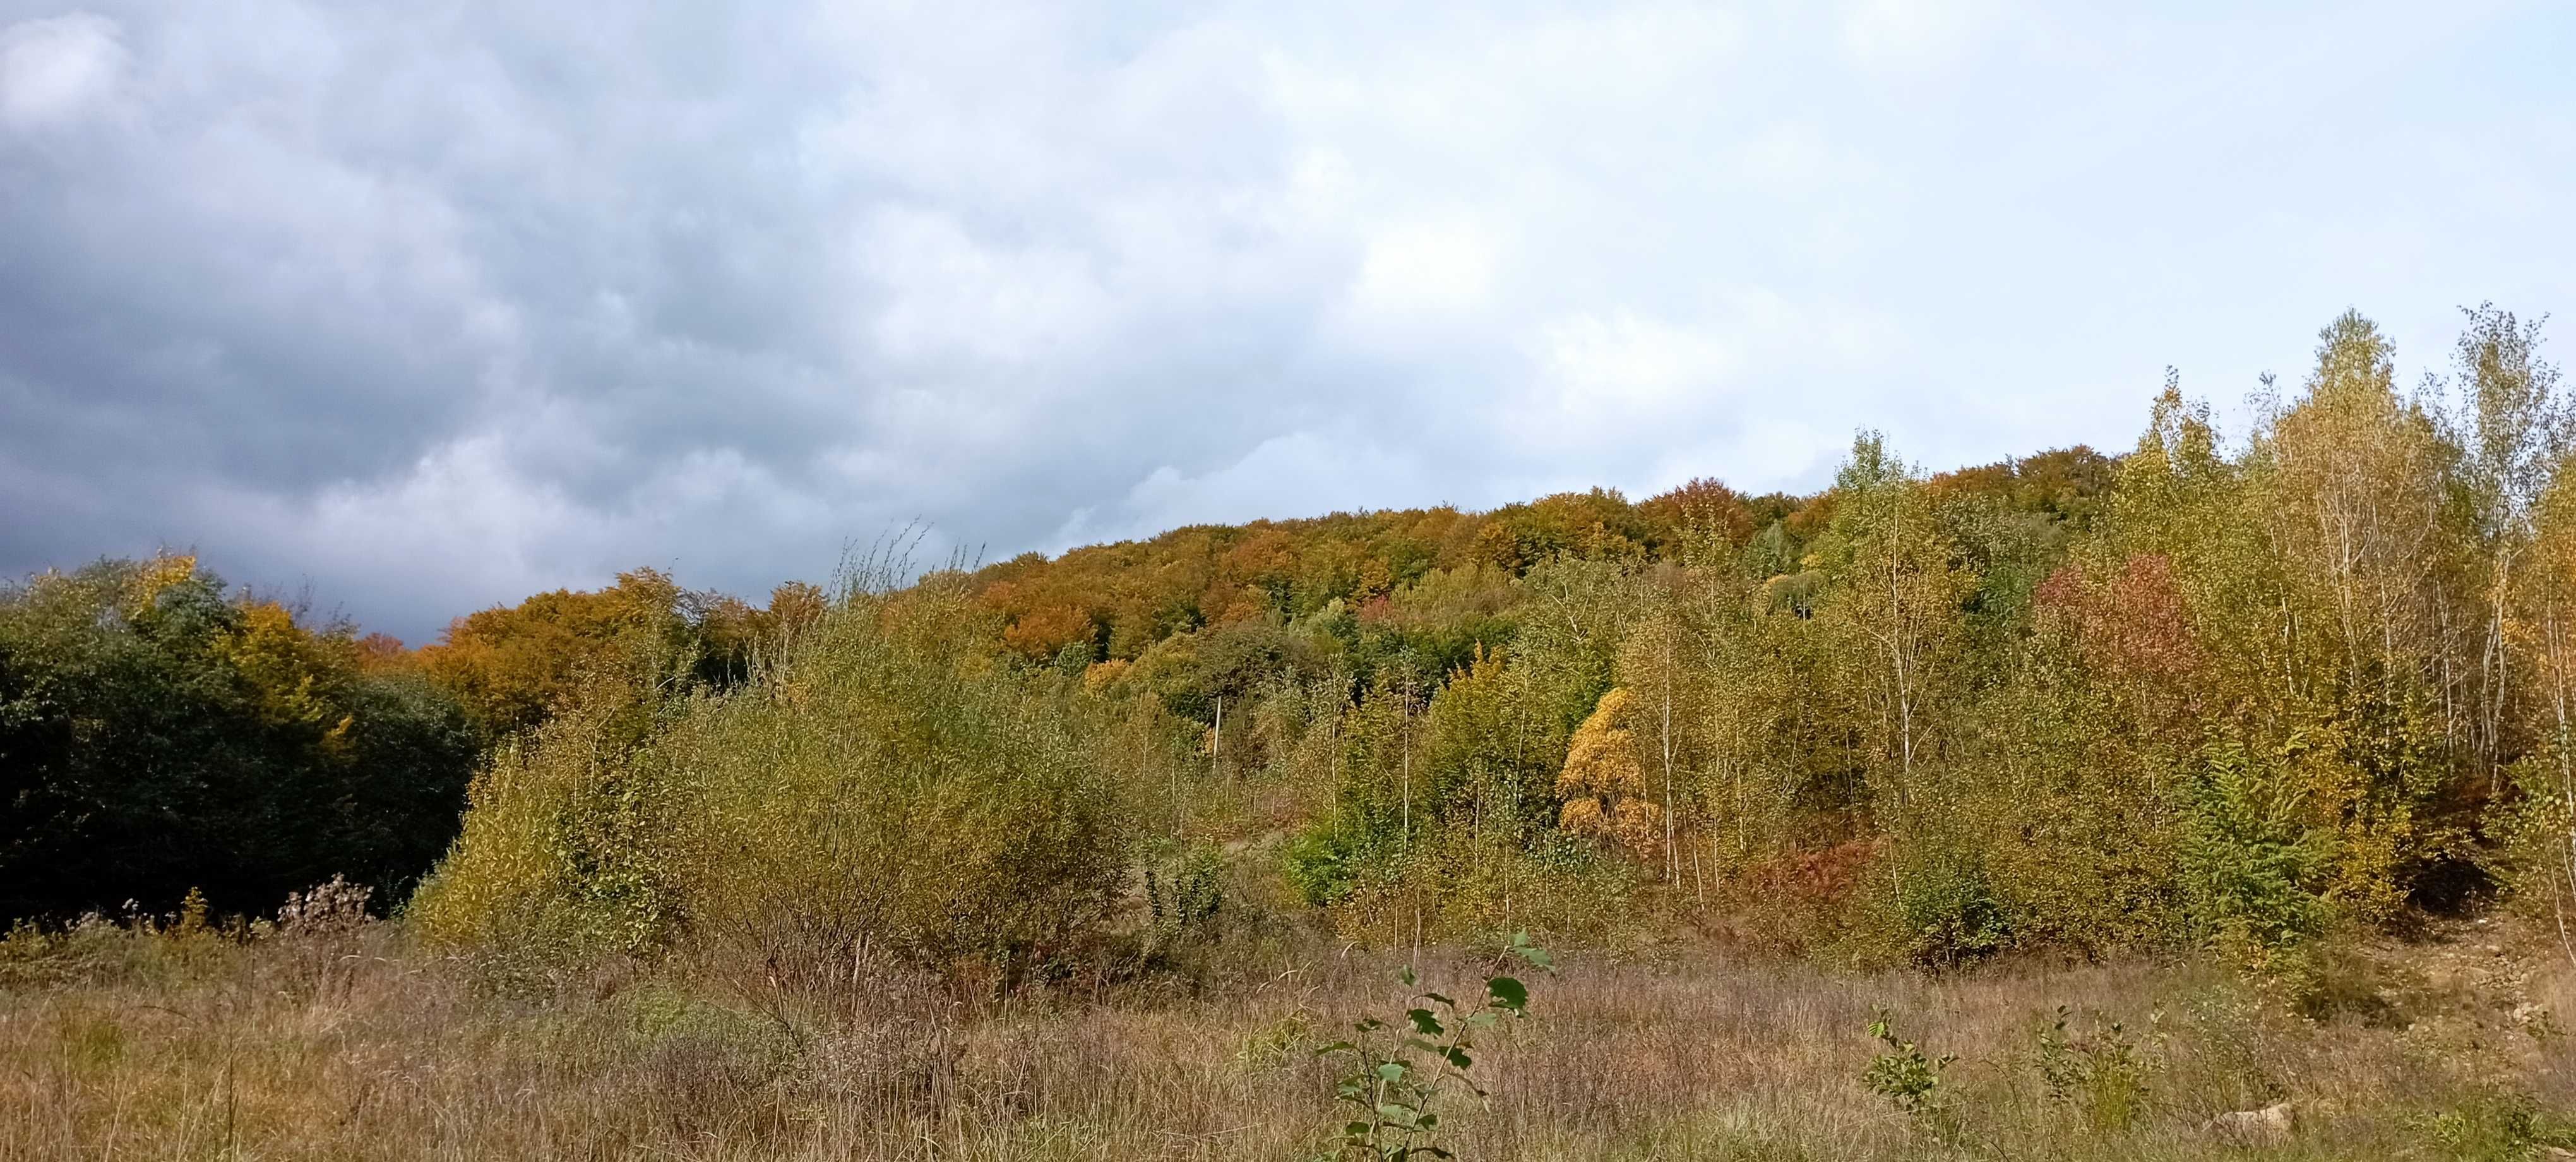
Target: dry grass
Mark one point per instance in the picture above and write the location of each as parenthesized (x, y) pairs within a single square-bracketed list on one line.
[(354, 1045)]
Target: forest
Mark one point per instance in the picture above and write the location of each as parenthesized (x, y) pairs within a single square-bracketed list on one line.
[(2231, 740)]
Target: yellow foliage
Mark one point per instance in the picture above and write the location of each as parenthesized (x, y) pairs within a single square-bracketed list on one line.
[(156, 576), (1103, 675), (1604, 782)]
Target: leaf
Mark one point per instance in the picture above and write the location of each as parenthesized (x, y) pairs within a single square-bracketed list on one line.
[(1508, 993), (1424, 1023), (1392, 1071), (1459, 1058), (1407, 976)]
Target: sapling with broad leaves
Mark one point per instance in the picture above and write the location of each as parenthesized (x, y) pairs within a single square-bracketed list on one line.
[(1398, 1071)]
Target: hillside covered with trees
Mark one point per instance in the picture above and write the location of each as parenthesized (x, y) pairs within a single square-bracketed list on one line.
[(2258, 703), (2233, 692)]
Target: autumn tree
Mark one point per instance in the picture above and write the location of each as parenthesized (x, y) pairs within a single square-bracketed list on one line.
[(1604, 782), (1895, 605), (2512, 426), (159, 734)]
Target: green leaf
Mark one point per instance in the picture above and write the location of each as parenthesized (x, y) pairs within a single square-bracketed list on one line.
[(1440, 999), (1406, 976), (1392, 1071), (1459, 1058), (1508, 993), (1424, 1023)]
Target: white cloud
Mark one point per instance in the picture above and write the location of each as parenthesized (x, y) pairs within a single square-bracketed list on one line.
[(1436, 266), (951, 296), (57, 69), (1918, 34)]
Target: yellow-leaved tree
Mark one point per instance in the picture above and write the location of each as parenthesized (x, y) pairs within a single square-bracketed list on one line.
[(1604, 782)]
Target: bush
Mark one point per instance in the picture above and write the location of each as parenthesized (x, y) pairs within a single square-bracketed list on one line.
[(1911, 1079), (1451, 886), (1948, 914), (892, 784), (1931, 908), (1317, 862), (2251, 869)]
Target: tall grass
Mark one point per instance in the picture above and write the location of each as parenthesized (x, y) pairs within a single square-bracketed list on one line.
[(355, 1042)]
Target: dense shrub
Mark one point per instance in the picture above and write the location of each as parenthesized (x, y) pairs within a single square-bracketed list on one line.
[(158, 735), (894, 782)]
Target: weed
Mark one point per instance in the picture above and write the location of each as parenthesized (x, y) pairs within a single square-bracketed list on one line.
[(2497, 1127), (2101, 1074), (1910, 1079), (1399, 1072)]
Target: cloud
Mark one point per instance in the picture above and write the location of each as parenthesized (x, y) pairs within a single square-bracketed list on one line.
[(1315, 472), (1911, 35), (1427, 267), (58, 69), (430, 306)]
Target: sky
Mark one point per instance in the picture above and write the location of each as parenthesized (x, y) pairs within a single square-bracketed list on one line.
[(421, 307)]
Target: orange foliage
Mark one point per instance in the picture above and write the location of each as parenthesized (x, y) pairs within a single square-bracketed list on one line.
[(1042, 632), (509, 664)]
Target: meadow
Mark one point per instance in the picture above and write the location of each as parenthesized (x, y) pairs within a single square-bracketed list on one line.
[(337, 1037)]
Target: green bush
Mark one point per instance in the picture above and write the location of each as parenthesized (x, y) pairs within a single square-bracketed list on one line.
[(159, 734), (1949, 915), (891, 784), (1911, 1079), (2251, 868), (1321, 863)]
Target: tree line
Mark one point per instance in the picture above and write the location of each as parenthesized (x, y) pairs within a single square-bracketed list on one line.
[(2230, 691)]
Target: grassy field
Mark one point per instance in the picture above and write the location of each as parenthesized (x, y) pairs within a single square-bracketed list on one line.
[(345, 1041)]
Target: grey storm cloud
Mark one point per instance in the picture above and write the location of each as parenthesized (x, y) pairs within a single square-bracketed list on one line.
[(430, 306)]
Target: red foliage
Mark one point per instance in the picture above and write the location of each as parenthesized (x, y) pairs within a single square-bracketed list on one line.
[(2135, 622), (1792, 903)]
